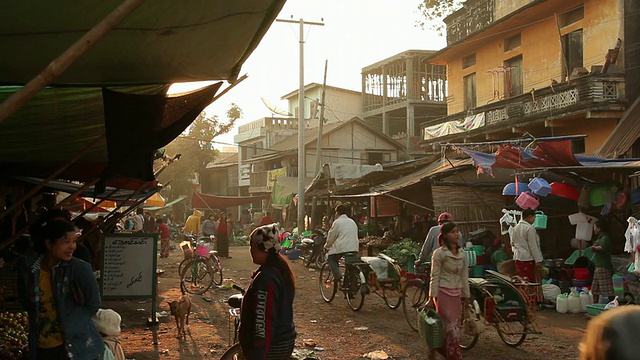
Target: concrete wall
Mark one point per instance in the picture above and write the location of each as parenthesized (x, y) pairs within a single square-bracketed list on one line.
[(541, 52), (341, 105), (503, 8)]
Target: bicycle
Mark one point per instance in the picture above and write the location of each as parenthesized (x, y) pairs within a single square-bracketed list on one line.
[(200, 269), (415, 294), (234, 301)]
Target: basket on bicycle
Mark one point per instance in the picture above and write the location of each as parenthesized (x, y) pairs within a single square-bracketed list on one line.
[(187, 249)]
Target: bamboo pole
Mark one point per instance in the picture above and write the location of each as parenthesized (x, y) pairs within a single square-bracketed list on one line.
[(67, 58)]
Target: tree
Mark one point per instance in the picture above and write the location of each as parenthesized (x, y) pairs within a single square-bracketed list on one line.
[(197, 150), (434, 12)]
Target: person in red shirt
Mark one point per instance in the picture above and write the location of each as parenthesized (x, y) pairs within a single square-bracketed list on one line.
[(165, 237), (267, 219), (222, 236)]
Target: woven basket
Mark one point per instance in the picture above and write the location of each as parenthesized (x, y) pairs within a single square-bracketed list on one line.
[(432, 333)]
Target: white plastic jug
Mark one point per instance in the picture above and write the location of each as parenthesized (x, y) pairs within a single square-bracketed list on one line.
[(584, 301), (562, 303), (574, 301)]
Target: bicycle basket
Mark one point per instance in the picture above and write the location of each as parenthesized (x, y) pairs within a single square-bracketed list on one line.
[(431, 329), (202, 251)]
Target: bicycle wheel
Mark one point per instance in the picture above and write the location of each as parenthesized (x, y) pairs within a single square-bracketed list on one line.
[(414, 295), (392, 294), (328, 287), (182, 264), (467, 339), (513, 333), (217, 270), (321, 259), (197, 277), (355, 297), (233, 353)]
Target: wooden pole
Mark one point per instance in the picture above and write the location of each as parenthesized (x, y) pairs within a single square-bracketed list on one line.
[(62, 62), (314, 204)]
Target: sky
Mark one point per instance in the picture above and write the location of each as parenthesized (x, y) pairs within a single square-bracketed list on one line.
[(357, 33)]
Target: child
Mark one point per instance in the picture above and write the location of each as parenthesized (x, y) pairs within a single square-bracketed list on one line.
[(107, 322)]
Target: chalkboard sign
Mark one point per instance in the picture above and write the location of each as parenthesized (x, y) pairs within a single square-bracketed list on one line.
[(129, 266)]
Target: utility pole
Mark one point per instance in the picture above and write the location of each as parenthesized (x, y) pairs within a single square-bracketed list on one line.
[(314, 205), (301, 162)]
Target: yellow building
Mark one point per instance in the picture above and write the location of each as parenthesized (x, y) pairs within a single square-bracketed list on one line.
[(547, 68)]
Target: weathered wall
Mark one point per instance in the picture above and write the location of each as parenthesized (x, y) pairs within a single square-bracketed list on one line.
[(541, 52), (597, 129), (349, 144), (503, 8)]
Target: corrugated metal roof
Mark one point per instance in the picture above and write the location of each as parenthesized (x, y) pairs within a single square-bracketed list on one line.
[(437, 167), (624, 135), (224, 160)]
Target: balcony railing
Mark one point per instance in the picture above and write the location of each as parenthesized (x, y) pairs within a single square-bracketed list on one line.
[(589, 91), (262, 181)]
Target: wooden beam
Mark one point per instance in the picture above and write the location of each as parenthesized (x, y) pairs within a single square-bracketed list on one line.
[(67, 58)]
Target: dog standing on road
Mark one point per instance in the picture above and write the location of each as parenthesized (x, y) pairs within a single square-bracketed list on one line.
[(181, 309)]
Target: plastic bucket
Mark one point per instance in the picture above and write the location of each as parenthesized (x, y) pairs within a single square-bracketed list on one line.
[(540, 221), (565, 191), (539, 186), (527, 201), (510, 189)]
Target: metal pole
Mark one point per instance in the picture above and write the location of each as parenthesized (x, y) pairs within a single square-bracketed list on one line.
[(319, 143), (301, 163)]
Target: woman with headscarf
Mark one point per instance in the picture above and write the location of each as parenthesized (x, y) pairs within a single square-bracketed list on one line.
[(449, 284), (266, 329)]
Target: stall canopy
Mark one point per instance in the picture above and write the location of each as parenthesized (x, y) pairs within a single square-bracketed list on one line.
[(161, 42), (204, 201), (110, 193), (166, 206), (122, 128), (542, 153)]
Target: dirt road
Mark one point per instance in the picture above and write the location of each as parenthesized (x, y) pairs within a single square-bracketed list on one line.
[(339, 332)]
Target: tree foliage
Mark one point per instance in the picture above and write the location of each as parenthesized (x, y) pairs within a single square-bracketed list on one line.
[(197, 150), (434, 12)]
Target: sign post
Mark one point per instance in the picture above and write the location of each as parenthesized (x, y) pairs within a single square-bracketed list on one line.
[(129, 268)]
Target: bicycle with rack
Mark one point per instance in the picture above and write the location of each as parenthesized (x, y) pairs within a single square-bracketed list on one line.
[(359, 278), (201, 267)]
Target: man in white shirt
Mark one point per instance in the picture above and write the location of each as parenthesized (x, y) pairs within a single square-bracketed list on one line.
[(138, 220), (525, 244), (341, 239)]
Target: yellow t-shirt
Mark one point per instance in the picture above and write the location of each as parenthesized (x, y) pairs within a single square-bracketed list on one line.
[(49, 332)]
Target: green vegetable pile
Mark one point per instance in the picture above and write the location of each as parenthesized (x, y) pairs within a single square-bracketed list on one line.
[(402, 251)]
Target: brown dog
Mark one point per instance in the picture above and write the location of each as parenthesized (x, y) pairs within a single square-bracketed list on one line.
[(181, 309)]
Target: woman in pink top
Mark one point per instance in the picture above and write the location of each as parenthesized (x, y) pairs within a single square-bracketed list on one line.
[(449, 283)]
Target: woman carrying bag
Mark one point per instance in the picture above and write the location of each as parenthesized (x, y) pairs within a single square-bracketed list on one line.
[(449, 284)]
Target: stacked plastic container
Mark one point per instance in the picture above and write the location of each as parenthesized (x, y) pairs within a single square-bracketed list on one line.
[(618, 286)]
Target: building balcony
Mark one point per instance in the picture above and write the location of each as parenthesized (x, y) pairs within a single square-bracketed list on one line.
[(259, 128), (582, 97), (262, 181)]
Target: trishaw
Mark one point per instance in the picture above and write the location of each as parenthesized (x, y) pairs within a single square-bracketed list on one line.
[(362, 275), (508, 304)]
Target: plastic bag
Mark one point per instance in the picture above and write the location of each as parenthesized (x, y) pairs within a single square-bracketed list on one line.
[(550, 292), (612, 304)]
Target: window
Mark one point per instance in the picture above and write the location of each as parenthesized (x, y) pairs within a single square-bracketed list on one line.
[(513, 83), (372, 158), (511, 43), (468, 61), (572, 50), (578, 146), (469, 91), (571, 17)]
